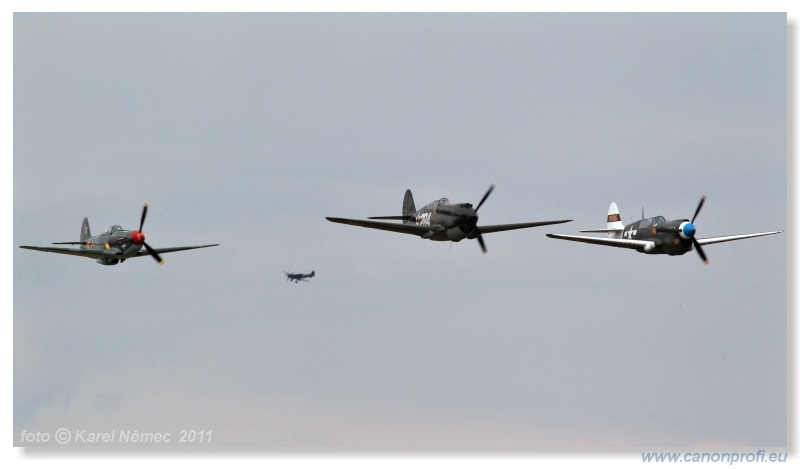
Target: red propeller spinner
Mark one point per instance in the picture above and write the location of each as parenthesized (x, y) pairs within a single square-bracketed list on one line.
[(137, 237)]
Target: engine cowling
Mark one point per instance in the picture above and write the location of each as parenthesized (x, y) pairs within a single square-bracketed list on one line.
[(457, 234)]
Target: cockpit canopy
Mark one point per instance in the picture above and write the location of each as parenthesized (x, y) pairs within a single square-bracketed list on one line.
[(113, 229), (435, 204), (651, 222)]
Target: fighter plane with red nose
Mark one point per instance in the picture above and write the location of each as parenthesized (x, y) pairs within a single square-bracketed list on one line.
[(115, 245)]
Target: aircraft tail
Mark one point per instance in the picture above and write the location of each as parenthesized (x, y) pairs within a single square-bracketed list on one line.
[(614, 226), (312, 274), (614, 221), (409, 210), (85, 232)]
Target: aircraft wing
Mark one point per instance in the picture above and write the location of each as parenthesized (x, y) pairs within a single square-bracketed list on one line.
[(722, 239), (516, 226), (103, 254), (613, 242), (166, 250), (380, 225), (93, 253)]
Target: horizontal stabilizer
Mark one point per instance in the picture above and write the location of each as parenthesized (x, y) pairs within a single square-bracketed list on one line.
[(603, 230), (393, 217)]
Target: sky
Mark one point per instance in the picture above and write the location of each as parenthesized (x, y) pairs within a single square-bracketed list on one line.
[(247, 130)]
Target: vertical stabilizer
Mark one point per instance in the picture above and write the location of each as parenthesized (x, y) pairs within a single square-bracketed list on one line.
[(85, 232), (409, 210), (614, 221)]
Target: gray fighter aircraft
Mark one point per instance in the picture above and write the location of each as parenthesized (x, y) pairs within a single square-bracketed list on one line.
[(440, 221), (298, 277), (115, 245), (655, 235)]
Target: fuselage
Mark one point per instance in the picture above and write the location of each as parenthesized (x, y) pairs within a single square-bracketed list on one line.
[(449, 222), (117, 243), (668, 237)]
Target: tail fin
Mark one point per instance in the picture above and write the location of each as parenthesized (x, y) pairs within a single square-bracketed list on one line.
[(409, 210), (312, 274), (614, 221), (614, 226), (85, 232)]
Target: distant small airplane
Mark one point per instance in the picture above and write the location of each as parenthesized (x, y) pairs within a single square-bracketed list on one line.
[(115, 245), (440, 221), (298, 277), (655, 235)]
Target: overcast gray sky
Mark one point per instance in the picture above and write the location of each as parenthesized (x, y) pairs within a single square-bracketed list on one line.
[(248, 129)]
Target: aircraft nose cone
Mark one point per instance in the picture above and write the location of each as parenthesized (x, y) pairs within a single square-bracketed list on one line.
[(689, 230), (137, 237)]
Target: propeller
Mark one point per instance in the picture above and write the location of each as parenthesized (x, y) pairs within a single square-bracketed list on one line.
[(477, 230), (485, 196), (137, 237), (694, 240), (699, 206), (687, 230)]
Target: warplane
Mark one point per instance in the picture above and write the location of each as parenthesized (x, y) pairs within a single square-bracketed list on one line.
[(115, 245), (655, 235), (440, 221), (298, 277)]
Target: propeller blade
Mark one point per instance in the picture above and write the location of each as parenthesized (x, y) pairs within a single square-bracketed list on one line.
[(699, 206), (483, 245), (485, 196), (144, 215), (153, 253), (700, 251)]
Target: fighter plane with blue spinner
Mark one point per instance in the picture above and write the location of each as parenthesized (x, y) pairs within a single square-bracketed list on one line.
[(440, 221), (115, 245), (655, 235)]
